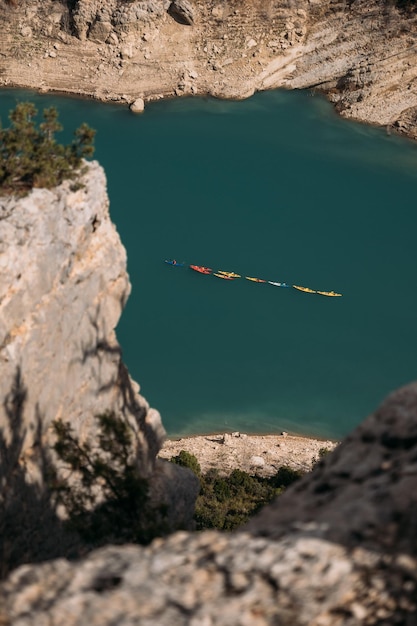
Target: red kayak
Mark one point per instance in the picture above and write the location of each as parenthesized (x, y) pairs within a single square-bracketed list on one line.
[(201, 269)]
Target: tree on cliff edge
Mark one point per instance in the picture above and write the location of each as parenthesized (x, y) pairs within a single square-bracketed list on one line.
[(31, 157)]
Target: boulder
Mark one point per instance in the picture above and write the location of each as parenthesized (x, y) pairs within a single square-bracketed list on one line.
[(138, 106), (182, 11), (100, 31), (256, 461)]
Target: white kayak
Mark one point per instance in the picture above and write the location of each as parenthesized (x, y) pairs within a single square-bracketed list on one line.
[(278, 284)]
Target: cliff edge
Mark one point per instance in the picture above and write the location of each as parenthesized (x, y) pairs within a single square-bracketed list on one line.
[(63, 286)]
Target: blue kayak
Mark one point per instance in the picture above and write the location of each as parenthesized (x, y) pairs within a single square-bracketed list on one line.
[(174, 263)]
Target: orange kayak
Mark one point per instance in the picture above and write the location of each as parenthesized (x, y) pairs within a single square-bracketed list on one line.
[(201, 269)]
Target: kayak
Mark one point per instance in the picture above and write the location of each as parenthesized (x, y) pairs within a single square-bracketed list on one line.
[(329, 293), (174, 263), (306, 289), (231, 274), (224, 276), (256, 280), (201, 269), (278, 284)]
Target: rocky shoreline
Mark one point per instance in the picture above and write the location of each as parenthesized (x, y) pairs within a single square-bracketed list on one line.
[(361, 55), (256, 454)]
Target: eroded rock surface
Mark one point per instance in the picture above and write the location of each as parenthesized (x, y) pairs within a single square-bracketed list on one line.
[(210, 579), (63, 285), (365, 492), (360, 54), (262, 454)]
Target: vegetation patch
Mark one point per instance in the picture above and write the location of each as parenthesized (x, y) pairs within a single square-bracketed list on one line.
[(227, 502), (107, 501), (30, 155), (104, 495)]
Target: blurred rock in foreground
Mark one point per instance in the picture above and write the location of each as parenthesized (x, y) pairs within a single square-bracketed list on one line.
[(339, 548)]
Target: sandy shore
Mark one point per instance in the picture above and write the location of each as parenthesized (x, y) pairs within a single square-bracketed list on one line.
[(260, 454)]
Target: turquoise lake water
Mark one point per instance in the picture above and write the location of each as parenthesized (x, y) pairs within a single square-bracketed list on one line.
[(276, 187)]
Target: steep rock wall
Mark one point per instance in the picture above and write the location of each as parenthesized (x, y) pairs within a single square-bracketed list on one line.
[(63, 286), (361, 54)]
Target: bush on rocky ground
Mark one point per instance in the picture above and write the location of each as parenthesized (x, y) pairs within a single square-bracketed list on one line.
[(227, 502)]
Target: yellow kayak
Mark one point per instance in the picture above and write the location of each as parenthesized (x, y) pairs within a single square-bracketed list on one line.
[(329, 293), (231, 274), (256, 280), (224, 276), (306, 289)]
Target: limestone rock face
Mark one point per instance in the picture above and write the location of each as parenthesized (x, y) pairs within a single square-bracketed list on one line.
[(95, 20), (63, 286), (218, 580), (91, 18)]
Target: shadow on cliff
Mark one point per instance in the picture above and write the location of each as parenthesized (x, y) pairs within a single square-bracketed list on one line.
[(30, 529), (98, 351)]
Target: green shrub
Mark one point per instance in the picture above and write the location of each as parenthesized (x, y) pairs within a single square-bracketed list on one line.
[(31, 157), (108, 501), (285, 477), (185, 459), (323, 452), (227, 502)]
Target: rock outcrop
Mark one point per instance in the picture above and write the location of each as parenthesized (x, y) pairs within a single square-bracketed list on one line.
[(365, 492), (63, 286), (360, 54), (182, 11), (338, 548)]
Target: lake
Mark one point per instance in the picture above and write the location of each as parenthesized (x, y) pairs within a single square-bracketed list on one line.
[(277, 187)]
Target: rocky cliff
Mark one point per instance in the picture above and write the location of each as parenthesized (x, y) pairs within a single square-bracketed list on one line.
[(360, 54), (338, 548), (63, 286)]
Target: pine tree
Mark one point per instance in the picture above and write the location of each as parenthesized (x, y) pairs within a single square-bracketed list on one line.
[(31, 157)]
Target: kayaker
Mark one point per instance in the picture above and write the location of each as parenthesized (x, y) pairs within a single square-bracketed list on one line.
[(174, 262)]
